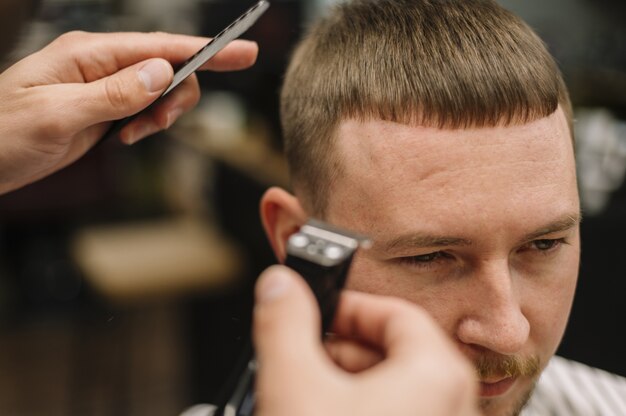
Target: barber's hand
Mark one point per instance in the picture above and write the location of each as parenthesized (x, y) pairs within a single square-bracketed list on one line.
[(56, 103), (388, 357)]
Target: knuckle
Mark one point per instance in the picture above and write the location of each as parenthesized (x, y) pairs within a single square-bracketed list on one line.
[(51, 128), (69, 44), (115, 93), (70, 38)]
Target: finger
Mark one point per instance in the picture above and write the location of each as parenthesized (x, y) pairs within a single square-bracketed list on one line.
[(286, 326), (114, 97), (140, 128), (419, 359), (352, 356), (286, 333), (182, 99), (102, 54), (411, 342), (389, 324), (239, 54)]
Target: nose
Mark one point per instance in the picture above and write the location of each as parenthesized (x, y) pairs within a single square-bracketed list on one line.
[(494, 317)]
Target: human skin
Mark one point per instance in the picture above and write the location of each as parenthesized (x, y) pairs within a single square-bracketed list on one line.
[(480, 227), (59, 101), (387, 357)]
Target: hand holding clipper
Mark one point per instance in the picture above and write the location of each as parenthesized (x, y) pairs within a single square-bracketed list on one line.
[(322, 255)]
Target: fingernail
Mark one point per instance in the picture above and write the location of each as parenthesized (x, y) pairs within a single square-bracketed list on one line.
[(155, 75), (274, 284), (172, 116)]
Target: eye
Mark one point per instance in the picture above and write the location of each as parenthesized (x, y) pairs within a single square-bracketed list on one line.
[(545, 245), (424, 260)]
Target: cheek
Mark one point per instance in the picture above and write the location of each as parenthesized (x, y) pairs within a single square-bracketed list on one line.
[(370, 276), (384, 278), (381, 278), (548, 312), (547, 306)]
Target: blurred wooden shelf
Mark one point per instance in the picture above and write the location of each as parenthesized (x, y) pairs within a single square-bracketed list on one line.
[(159, 259)]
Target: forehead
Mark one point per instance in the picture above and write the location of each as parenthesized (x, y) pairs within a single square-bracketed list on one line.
[(394, 172)]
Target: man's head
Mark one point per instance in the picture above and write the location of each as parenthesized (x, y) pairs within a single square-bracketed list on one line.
[(441, 129), (450, 64)]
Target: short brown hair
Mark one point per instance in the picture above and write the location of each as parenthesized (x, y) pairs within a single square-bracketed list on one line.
[(440, 63)]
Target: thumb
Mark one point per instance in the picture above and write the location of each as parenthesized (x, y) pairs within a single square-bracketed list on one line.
[(286, 323), (121, 94)]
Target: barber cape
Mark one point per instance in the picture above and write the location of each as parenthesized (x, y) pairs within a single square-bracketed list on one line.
[(568, 388)]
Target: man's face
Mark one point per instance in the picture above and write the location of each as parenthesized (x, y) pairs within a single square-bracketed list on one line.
[(479, 227)]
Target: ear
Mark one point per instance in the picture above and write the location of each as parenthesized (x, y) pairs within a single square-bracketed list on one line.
[(282, 215)]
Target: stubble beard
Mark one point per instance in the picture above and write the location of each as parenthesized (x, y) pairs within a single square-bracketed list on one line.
[(511, 366)]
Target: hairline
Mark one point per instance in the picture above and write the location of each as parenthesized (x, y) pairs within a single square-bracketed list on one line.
[(318, 208)]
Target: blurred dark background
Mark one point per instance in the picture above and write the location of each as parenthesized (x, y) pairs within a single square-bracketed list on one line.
[(126, 279)]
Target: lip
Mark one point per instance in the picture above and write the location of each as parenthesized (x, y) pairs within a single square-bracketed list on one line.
[(497, 388)]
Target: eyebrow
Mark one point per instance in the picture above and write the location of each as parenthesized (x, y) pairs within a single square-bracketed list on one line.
[(419, 240), (563, 224)]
